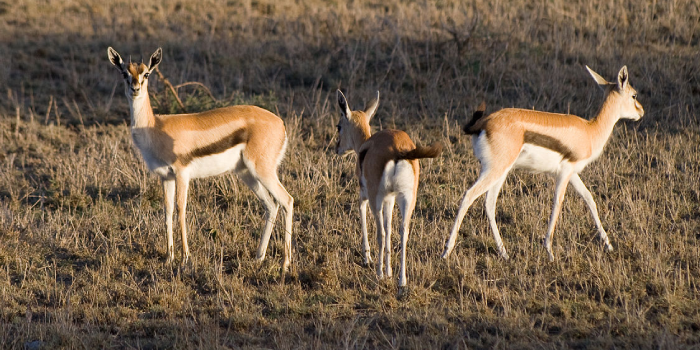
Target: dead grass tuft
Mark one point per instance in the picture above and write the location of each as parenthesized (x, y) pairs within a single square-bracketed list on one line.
[(82, 241)]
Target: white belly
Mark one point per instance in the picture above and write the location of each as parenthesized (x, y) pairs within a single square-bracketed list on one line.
[(216, 164), (538, 159)]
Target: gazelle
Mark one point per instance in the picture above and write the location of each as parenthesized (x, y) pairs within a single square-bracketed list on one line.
[(387, 169), (559, 144), (246, 139)]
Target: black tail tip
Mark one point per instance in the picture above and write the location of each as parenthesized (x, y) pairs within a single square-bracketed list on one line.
[(432, 151), (478, 114), (436, 148), (419, 152)]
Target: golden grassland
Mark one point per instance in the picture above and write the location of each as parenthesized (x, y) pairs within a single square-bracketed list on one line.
[(82, 234)]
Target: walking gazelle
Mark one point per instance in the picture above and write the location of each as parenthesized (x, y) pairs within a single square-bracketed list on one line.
[(559, 144), (387, 169), (246, 139)]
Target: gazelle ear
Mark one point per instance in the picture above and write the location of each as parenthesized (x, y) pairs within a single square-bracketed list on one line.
[(115, 58), (623, 78), (372, 107), (343, 104), (598, 79), (155, 59)]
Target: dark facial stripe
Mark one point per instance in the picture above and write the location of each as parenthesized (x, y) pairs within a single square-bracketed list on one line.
[(136, 68), (549, 143), (226, 143)]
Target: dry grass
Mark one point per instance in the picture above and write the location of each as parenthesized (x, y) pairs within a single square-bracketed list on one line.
[(82, 242)]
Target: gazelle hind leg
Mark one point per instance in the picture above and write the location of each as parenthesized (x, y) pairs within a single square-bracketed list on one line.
[(495, 164), (379, 220), (388, 211), (169, 196), (487, 179), (365, 240), (406, 206), (271, 209), (580, 187), (562, 181), (280, 194), (490, 204)]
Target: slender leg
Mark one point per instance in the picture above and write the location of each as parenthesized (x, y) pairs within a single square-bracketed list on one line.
[(272, 183), (169, 194), (562, 181), (406, 206), (378, 217), (487, 179), (182, 184), (388, 209), (271, 209), (588, 198), (365, 240), (491, 197)]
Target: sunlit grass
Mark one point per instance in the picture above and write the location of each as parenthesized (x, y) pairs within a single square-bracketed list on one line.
[(82, 234)]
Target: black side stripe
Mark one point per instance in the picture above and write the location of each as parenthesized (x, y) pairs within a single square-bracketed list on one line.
[(237, 137), (551, 143)]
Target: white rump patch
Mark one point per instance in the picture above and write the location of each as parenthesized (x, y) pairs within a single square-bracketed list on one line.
[(397, 179)]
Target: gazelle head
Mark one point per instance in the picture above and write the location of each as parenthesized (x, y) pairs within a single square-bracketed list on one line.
[(626, 95), (353, 126), (135, 74)]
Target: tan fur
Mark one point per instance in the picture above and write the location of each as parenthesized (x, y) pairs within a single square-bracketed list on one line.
[(507, 127), (188, 131), (136, 69), (183, 146), (383, 178), (380, 148), (558, 144)]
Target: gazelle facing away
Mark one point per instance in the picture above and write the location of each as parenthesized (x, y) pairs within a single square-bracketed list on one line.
[(387, 168), (246, 139), (558, 144)]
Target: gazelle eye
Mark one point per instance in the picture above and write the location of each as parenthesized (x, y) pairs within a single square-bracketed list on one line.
[(145, 76), (634, 97)]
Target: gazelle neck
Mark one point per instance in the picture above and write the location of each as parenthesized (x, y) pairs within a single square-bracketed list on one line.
[(362, 134), (602, 125), (141, 112)]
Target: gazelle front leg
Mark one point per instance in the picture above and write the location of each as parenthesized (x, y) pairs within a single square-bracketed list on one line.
[(490, 204), (562, 181), (364, 202), (182, 183), (169, 194), (580, 187)]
